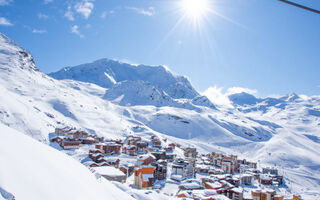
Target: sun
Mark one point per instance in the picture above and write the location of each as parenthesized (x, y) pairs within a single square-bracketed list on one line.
[(195, 9)]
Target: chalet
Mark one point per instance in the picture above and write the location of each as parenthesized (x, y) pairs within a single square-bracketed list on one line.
[(113, 162), (142, 146), (168, 149), (109, 147), (163, 162), (191, 186), (185, 195), (127, 169), (190, 152), (246, 179), (118, 141), (97, 138), (96, 157), (235, 194), (88, 140), (178, 178), (213, 185), (217, 161), (265, 179), (57, 139), (252, 164), (93, 151), (129, 150), (227, 166), (277, 179), (267, 170), (160, 170), (215, 171), (297, 197), (77, 134), (91, 164), (233, 180), (70, 144), (144, 177), (132, 140), (170, 156), (63, 131), (183, 167), (159, 154), (111, 173), (156, 141), (203, 169), (145, 159), (266, 194), (279, 197), (172, 145)]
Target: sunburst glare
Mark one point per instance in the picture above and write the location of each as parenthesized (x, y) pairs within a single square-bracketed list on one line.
[(195, 9)]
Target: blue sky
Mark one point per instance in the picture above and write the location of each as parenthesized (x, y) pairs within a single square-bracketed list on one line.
[(264, 45)]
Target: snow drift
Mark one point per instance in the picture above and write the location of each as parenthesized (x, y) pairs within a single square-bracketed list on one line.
[(32, 170)]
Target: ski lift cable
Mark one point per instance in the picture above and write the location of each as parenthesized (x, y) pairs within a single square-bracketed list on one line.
[(300, 6)]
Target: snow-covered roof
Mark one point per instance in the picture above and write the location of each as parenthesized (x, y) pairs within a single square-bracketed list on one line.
[(237, 190), (220, 197), (210, 192), (265, 177), (112, 159), (108, 171), (146, 156), (177, 177), (214, 184), (190, 186)]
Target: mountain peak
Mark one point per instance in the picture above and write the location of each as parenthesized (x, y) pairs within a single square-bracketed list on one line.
[(106, 72), (243, 98), (13, 56)]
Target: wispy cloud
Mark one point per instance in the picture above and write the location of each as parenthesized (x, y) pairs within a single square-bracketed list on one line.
[(148, 12), (216, 96), (235, 90), (69, 14), (84, 8), (75, 30), (219, 96), (105, 13), (5, 22), (39, 31), (42, 16), (5, 2), (47, 1)]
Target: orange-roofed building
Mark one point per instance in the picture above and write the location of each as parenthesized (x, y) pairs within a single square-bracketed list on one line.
[(297, 197), (144, 178), (184, 195)]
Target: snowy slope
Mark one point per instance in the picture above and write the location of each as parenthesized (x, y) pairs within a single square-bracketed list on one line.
[(32, 170), (282, 131)]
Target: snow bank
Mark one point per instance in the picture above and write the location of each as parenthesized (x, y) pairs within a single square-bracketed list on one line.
[(32, 170)]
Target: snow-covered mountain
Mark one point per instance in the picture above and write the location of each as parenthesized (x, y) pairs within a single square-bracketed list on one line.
[(137, 84), (114, 99), (107, 73)]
